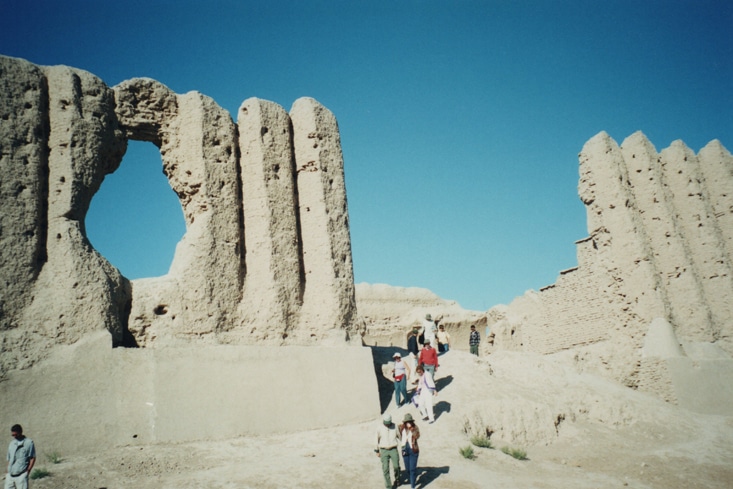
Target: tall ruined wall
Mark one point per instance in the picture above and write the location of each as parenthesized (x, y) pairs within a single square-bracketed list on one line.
[(266, 256), (328, 271), (270, 206), (59, 137), (659, 247), (198, 146)]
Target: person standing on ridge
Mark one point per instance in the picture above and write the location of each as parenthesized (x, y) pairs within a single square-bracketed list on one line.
[(429, 330), (443, 340), (473, 340)]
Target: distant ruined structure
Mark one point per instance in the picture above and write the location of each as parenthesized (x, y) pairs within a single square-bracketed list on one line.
[(266, 257), (652, 295)]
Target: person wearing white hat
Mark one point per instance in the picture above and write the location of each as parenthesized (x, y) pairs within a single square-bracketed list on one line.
[(400, 374)]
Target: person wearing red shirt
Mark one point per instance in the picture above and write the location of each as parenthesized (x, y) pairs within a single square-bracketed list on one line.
[(429, 358)]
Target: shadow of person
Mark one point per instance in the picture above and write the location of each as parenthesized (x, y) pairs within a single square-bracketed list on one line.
[(443, 382), (441, 407), (426, 475), (381, 355)]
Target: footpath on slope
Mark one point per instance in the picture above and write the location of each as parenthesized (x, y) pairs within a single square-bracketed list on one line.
[(663, 449)]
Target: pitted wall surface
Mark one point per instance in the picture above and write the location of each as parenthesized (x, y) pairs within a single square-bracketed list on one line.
[(288, 281)]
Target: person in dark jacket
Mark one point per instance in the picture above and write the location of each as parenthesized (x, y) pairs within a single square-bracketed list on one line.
[(473, 340)]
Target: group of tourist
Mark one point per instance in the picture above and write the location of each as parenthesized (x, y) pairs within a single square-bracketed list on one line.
[(423, 362), (390, 438)]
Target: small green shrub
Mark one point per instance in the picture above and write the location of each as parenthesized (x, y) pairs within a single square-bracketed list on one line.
[(54, 457), (467, 452), (481, 441), (517, 453), (39, 473)]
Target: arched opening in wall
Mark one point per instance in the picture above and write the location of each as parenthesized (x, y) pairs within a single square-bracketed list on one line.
[(135, 220)]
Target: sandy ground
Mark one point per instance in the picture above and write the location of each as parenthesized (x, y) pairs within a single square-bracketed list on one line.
[(683, 450)]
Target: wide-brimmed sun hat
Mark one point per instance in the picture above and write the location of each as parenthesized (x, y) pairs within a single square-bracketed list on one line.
[(408, 417)]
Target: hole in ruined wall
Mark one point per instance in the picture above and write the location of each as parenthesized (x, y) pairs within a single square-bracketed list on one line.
[(160, 310), (135, 219)]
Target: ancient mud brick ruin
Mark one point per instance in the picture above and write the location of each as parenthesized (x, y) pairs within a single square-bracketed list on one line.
[(266, 257), (659, 248)]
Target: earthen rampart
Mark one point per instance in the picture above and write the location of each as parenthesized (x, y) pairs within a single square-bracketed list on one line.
[(659, 229)]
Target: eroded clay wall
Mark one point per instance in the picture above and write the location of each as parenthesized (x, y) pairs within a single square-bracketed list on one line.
[(560, 303), (273, 289), (328, 297), (266, 257), (659, 229), (60, 138)]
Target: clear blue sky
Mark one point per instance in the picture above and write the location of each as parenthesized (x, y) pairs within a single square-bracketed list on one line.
[(461, 121)]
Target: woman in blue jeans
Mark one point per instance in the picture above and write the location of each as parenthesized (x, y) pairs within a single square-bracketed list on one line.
[(409, 433), (400, 373)]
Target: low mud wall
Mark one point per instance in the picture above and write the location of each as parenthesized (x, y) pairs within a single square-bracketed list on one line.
[(89, 395)]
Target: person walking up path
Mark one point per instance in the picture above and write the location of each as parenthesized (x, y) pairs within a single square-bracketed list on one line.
[(387, 442)]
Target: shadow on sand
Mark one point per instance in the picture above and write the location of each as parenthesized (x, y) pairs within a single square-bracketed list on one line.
[(440, 408), (443, 382), (426, 475), (382, 355)]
